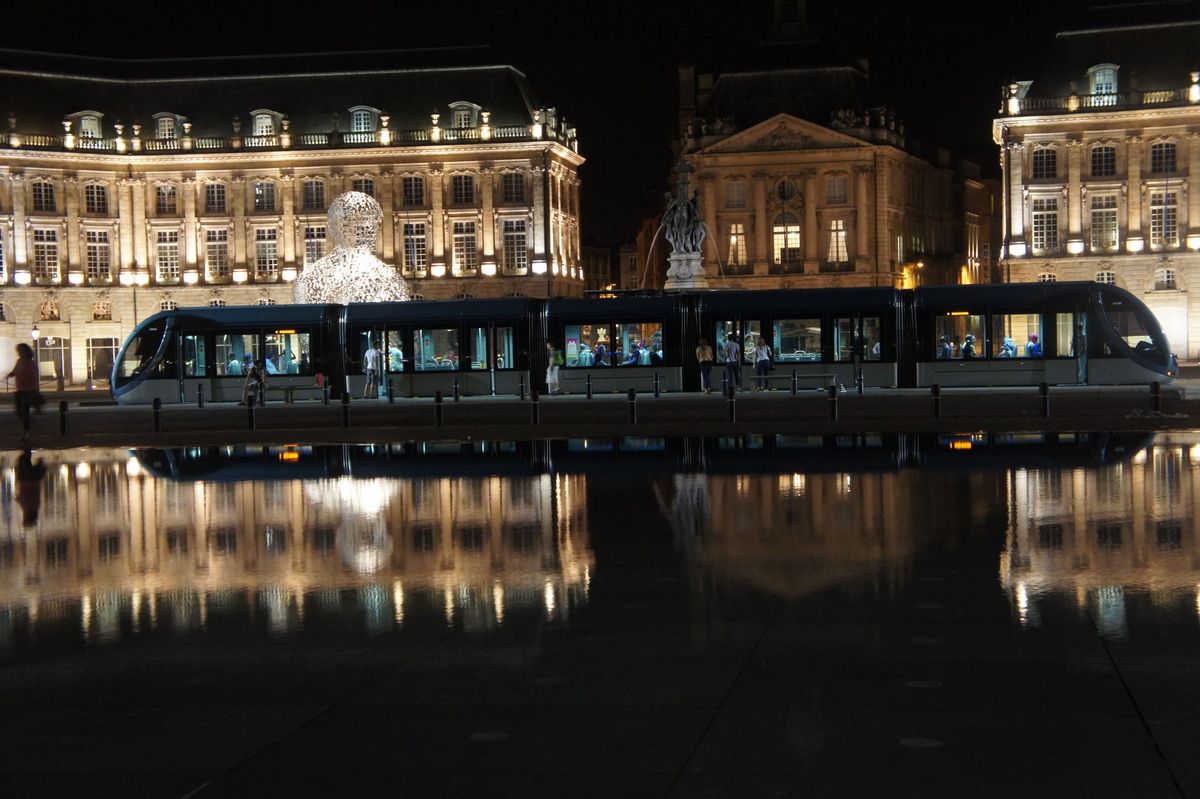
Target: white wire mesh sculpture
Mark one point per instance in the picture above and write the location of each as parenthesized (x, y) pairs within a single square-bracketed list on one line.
[(351, 272)]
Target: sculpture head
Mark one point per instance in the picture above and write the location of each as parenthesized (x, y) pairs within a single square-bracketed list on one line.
[(354, 219)]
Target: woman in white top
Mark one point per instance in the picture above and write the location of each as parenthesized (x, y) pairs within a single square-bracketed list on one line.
[(762, 364)]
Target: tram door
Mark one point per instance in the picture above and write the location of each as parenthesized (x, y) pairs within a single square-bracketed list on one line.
[(358, 383)]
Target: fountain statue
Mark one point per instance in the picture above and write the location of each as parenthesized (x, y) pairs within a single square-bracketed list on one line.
[(684, 228), (351, 272)]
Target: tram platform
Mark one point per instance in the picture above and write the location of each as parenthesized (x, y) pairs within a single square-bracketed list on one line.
[(612, 414)]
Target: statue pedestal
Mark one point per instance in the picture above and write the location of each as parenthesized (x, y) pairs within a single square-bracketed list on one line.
[(686, 272)]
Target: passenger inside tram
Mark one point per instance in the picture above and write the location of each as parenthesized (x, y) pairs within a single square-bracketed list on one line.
[(1033, 349), (968, 347), (1007, 349)]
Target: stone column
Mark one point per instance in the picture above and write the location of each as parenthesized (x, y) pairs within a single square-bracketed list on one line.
[(1134, 240), (125, 231), (387, 231), (238, 198), (862, 221), (288, 233), (762, 227), (487, 186), (1016, 199), (883, 240), (1074, 196), (812, 242), (1192, 223), (709, 200), (437, 224), (140, 231), (71, 206), (539, 214), (20, 253), (190, 231)]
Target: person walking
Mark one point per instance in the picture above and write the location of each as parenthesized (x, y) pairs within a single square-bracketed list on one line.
[(371, 359), (255, 383), (704, 355), (554, 360), (732, 354), (762, 364), (27, 395)]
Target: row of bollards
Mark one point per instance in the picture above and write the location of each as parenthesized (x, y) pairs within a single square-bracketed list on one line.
[(935, 394)]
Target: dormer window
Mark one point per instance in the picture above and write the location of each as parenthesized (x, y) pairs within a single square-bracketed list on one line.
[(164, 126), (264, 123), (362, 119), (89, 126), (1102, 83), (463, 114)]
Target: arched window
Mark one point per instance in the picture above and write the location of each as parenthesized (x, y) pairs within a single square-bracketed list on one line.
[(168, 305), (102, 310), (1047, 277), (1045, 163), (1164, 279), (463, 295), (1102, 84), (265, 301), (361, 121), (89, 126), (264, 124), (1106, 276), (164, 127), (785, 239), (415, 296), (217, 302)]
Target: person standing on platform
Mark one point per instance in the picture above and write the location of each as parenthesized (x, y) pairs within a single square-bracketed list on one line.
[(371, 359), (704, 354), (27, 395), (733, 361)]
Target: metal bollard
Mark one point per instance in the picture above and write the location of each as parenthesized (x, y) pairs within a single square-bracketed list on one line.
[(833, 403), (795, 382), (157, 405), (391, 391), (457, 391), (935, 392), (657, 388), (521, 387), (62, 417), (325, 393), (631, 397), (346, 409), (1156, 397), (589, 386), (438, 415), (731, 397), (200, 396), (250, 411), (535, 407), (1044, 394)]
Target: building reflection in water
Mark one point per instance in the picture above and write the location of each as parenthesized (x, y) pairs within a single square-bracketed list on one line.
[(1099, 536), (122, 543)]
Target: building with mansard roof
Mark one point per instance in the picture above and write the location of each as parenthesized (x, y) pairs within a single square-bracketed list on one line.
[(1098, 150), (127, 187)]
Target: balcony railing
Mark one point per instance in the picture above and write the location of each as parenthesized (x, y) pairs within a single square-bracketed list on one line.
[(1073, 103), (376, 138)]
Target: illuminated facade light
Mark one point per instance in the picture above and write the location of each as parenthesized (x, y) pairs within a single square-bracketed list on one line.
[(539, 267), (75, 278), (1075, 247), (288, 273), (488, 268), (240, 275), (126, 278), (191, 277), (1017, 249), (1135, 244), (438, 270)]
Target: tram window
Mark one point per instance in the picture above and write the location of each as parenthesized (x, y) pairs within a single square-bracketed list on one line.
[(797, 340), (1064, 330), (139, 353), (1017, 335), (195, 360), (232, 349), (723, 331), (395, 351), (959, 335), (288, 352), (872, 333), (750, 334), (502, 348), (843, 339), (639, 344), (477, 340), (435, 349), (586, 345)]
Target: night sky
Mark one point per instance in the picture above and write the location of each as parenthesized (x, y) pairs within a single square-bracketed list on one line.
[(611, 67)]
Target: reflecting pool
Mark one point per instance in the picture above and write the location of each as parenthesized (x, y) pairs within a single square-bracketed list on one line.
[(788, 605)]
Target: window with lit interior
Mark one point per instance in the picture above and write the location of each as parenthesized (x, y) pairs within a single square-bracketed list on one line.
[(1045, 224), (1104, 222)]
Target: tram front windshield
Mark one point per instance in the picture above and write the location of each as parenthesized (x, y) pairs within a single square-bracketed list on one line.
[(139, 352), (1137, 327)]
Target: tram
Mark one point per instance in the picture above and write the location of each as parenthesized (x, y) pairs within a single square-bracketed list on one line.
[(990, 335)]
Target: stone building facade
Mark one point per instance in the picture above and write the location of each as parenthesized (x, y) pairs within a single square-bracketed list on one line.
[(123, 194), (1097, 157), (803, 182)]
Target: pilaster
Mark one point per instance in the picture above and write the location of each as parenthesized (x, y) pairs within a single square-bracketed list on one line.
[(1074, 197), (387, 232), (762, 250), (861, 219), (1134, 240), (437, 216), (140, 233), (237, 190), (539, 213), (812, 244), (20, 255), (1016, 195), (708, 183), (487, 185), (288, 222), (1192, 223), (71, 206), (190, 232), (125, 222)]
